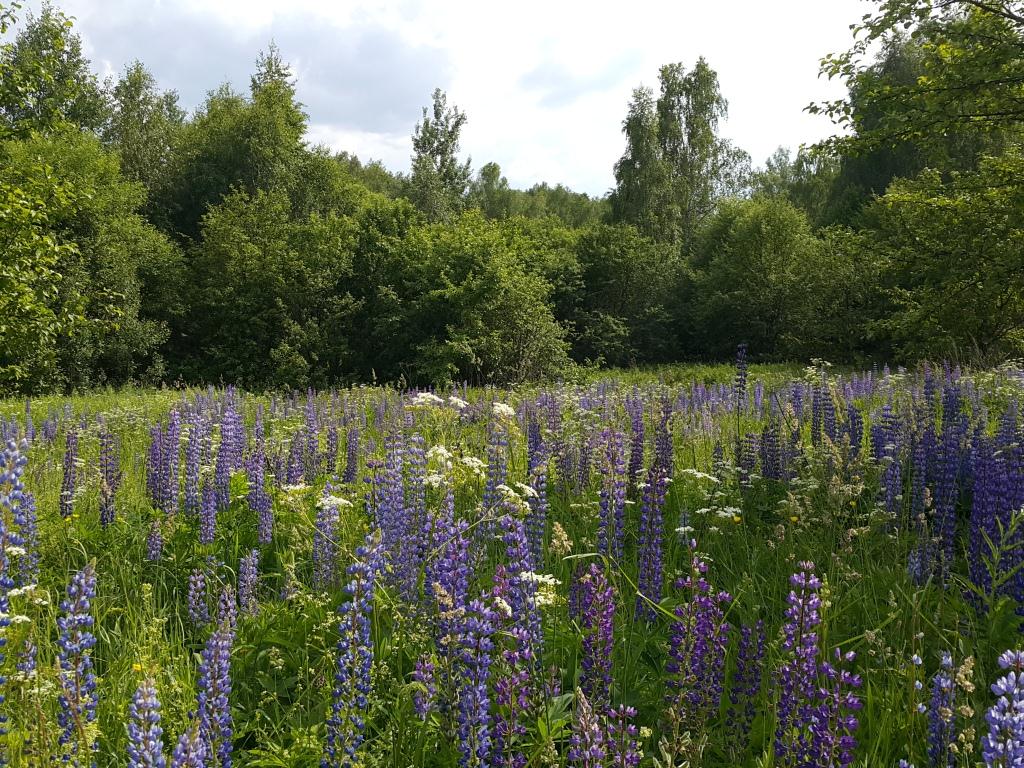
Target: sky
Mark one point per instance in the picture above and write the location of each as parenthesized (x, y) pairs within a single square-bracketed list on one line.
[(544, 83)]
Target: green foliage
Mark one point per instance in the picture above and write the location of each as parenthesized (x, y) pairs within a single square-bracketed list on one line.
[(32, 317), (951, 250), (45, 81), (765, 279), (438, 182), (271, 305), (117, 258), (676, 167)]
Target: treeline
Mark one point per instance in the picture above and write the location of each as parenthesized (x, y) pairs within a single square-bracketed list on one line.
[(141, 243)]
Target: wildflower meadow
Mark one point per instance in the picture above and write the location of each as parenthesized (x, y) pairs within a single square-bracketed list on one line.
[(710, 567)]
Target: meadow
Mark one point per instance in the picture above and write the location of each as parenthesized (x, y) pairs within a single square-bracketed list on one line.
[(697, 566)]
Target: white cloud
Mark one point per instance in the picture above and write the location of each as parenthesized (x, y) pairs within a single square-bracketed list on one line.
[(545, 84)]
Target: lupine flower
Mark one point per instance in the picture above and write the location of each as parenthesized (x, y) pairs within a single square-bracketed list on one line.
[(423, 698), (613, 495), (110, 477), (697, 643), (190, 751), (746, 686), (154, 542), (145, 736), (351, 455), (346, 723), (587, 743), (197, 434), (832, 728), (623, 747), (198, 608), (227, 608), (214, 709), (259, 500), (1003, 745), (513, 693), (473, 673), (248, 582), (649, 560), (798, 674), (12, 499), (596, 615), (67, 488), (78, 697)]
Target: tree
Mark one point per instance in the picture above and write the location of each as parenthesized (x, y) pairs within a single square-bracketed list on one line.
[(676, 168), (143, 126), (234, 142), (951, 255), (32, 316), (45, 80), (623, 303), (478, 314), (971, 78), (763, 278), (271, 305), (439, 180), (490, 193), (805, 180), (121, 275)]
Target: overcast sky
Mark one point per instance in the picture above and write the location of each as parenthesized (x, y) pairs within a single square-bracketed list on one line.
[(544, 83)]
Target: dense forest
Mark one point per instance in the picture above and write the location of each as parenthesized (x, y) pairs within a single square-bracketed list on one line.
[(145, 244)]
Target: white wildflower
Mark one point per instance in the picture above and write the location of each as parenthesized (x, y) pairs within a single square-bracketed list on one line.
[(457, 402), (426, 399), (504, 411)]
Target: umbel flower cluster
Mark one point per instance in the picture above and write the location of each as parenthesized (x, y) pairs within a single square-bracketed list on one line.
[(808, 572)]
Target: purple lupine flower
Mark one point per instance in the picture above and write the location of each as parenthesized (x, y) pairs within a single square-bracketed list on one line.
[(1003, 745), (12, 466), (248, 582), (746, 686), (351, 455), (198, 607), (798, 673), (513, 692), (154, 542), (415, 517), (346, 723), (227, 608), (623, 746), (145, 736), (586, 745), (497, 470), (596, 615), (771, 452), (78, 697), (833, 726), (110, 477), (635, 408), (190, 752), (213, 698), (197, 434), (259, 500), (208, 514), (649, 557), (391, 515), (30, 430), (697, 644), (942, 722), (475, 643), (325, 540), (67, 488), (612, 495), (295, 454), (17, 521), (423, 698), (221, 474), (522, 590), (537, 518)]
